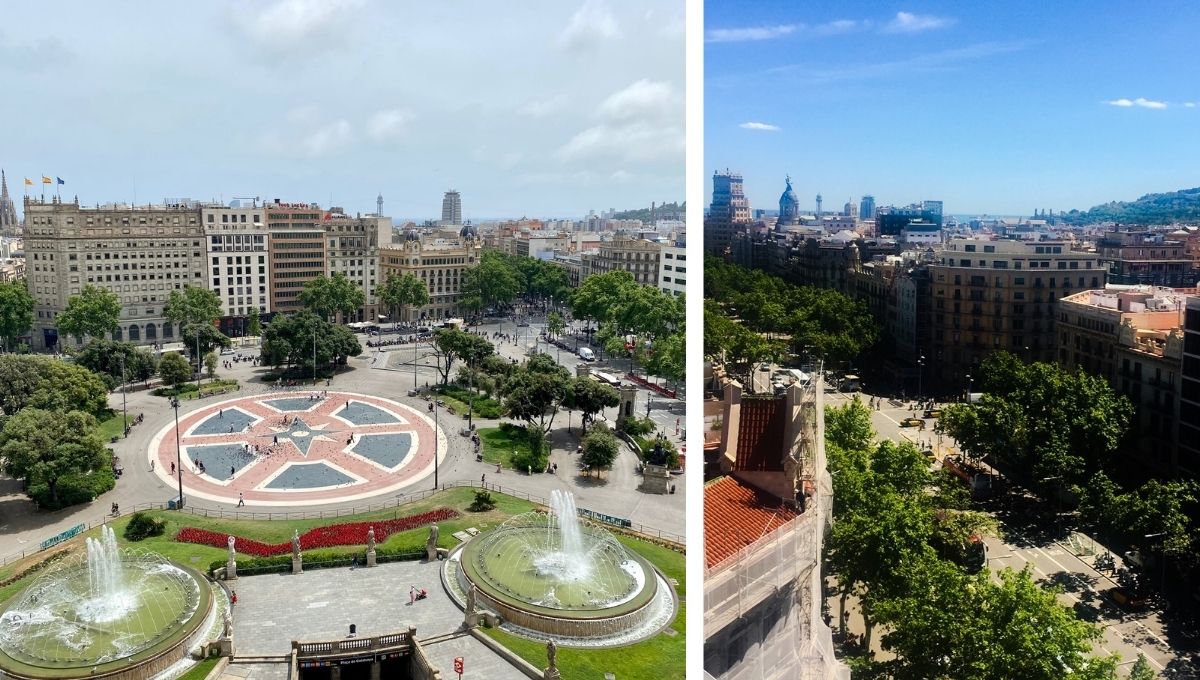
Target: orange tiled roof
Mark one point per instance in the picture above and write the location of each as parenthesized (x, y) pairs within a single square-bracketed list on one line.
[(735, 515)]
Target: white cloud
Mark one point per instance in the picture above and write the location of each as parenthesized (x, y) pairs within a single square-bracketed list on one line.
[(635, 142), (541, 108), (642, 99), (621, 176), (907, 22), (1190, 105), (327, 138), (592, 23), (759, 126), (752, 33), (1140, 101), (293, 26), (389, 124)]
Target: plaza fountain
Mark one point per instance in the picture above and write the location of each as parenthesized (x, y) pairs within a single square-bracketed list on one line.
[(554, 575), (113, 613)]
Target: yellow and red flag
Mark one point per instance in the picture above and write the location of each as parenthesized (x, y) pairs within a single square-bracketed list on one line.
[(47, 180)]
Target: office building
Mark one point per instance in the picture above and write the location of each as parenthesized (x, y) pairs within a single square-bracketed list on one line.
[(451, 209), (866, 208), (297, 251), (672, 268), (999, 295), (352, 245), (728, 213), (237, 266), (140, 253), (1143, 256)]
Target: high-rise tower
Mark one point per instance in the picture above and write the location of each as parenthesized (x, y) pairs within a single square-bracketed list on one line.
[(9, 225), (729, 212), (866, 207), (379, 205), (452, 208)]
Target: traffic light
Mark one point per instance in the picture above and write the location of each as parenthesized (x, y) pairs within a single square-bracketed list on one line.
[(458, 665)]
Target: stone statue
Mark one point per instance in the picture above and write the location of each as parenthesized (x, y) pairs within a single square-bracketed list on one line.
[(230, 541), (296, 545), (551, 654), (431, 544), (228, 631), (370, 539), (471, 600)]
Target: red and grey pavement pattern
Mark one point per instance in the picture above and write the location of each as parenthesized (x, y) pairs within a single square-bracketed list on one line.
[(289, 449)]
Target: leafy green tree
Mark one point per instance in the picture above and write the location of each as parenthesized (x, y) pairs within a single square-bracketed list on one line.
[(254, 326), (105, 358), (193, 305), (1163, 508), (174, 369), (598, 293), (43, 447), (951, 626), (849, 426), (493, 282), (402, 291), (450, 344), (67, 387), (209, 336), (554, 324), (299, 339), (589, 397), (95, 312), (1141, 669), (16, 311), (600, 449), (534, 394), (329, 295), (668, 357), (210, 365), (731, 342)]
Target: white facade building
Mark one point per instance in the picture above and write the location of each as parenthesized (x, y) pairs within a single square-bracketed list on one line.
[(237, 261), (672, 269)]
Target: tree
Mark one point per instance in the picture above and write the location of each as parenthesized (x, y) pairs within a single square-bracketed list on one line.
[(193, 305), (105, 358), (402, 291), (174, 369), (210, 338), (599, 292), (41, 446), (291, 341), (534, 395), (254, 327), (327, 296), (210, 365), (45, 383), (95, 312), (589, 397), (1141, 669), (849, 426), (16, 311), (600, 449), (450, 344), (554, 324), (492, 282)]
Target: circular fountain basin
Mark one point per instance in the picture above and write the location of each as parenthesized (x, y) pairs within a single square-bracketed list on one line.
[(57, 629), (599, 591)]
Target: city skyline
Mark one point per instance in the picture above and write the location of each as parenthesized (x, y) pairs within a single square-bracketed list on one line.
[(996, 110), (551, 110)]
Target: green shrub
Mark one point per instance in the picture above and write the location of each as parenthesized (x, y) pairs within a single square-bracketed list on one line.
[(485, 407), (533, 458), (73, 489), (483, 502), (142, 526), (637, 427)]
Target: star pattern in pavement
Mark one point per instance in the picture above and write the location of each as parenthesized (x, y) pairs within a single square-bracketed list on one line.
[(300, 434)]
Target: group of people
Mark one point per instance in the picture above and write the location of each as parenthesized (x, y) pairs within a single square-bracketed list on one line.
[(406, 340)]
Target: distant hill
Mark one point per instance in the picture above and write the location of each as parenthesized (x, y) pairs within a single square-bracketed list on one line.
[(664, 211), (1173, 206)]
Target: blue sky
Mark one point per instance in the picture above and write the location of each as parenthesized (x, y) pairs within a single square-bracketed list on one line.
[(994, 108), (545, 108)]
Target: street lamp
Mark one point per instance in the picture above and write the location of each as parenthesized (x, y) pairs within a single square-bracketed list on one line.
[(920, 377), (435, 441), (178, 453), (970, 384), (314, 356), (471, 386)]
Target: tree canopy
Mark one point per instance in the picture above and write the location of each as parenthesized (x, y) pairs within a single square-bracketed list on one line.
[(535, 393), (16, 311), (493, 282), (193, 305), (600, 448), (44, 446), (95, 312), (402, 291), (589, 397), (451, 344), (49, 384), (174, 369), (105, 358), (291, 340), (329, 295)]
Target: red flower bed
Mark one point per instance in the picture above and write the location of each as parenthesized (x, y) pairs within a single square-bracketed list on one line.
[(352, 533)]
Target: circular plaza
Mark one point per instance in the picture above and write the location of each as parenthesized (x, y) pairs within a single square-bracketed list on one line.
[(298, 448)]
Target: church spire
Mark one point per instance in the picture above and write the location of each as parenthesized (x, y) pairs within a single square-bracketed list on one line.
[(9, 225)]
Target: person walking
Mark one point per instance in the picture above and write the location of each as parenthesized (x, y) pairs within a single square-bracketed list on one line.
[(241, 500)]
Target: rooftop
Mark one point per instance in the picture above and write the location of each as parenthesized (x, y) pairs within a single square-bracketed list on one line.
[(736, 515)]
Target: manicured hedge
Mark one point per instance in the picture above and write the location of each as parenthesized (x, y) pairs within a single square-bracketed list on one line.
[(74, 489)]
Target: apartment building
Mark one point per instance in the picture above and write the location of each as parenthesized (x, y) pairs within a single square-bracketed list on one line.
[(672, 268), (237, 254), (1132, 337), (140, 253), (438, 259), (1147, 257), (1000, 295), (1189, 393), (352, 245), (638, 257)]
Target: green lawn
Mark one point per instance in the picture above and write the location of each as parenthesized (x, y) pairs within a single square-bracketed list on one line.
[(112, 427), (459, 398), (200, 670), (500, 442), (663, 653), (278, 531)]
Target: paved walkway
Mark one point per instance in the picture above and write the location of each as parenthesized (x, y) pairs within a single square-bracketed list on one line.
[(321, 604)]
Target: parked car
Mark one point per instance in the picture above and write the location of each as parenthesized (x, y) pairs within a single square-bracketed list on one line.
[(912, 422), (587, 354)]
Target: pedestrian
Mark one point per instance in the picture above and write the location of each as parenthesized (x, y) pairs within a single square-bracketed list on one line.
[(483, 479), (172, 468), (412, 594), (233, 598), (152, 465), (241, 500), (275, 439), (232, 471), (221, 413)]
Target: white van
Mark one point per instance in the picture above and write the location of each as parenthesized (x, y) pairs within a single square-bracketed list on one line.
[(587, 354)]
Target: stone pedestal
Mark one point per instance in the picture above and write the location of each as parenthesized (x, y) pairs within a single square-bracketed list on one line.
[(582, 370), (231, 570), (655, 479), (625, 408), (297, 565), (370, 558), (551, 673)]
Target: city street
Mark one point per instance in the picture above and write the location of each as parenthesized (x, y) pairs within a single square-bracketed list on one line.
[(1058, 557)]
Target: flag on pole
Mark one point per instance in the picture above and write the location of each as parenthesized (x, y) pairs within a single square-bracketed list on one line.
[(47, 180), (60, 180), (28, 182)]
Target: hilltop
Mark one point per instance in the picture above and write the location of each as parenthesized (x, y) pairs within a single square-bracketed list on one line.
[(1166, 208)]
